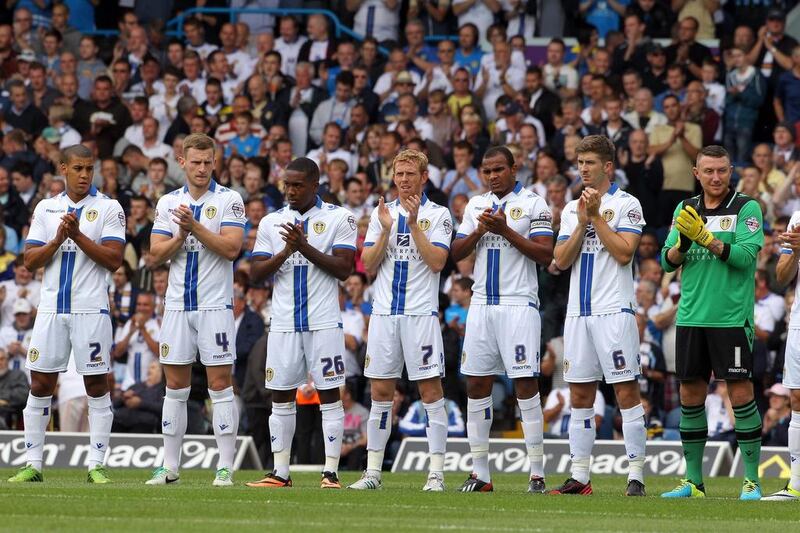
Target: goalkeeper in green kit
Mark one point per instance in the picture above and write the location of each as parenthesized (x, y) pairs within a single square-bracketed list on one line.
[(715, 237)]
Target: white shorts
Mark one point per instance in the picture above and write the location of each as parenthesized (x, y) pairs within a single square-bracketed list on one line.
[(601, 346), (502, 338), (791, 364), (291, 356), (394, 340), (184, 333), (88, 336)]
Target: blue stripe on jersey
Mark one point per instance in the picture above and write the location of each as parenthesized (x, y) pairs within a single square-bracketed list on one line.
[(137, 367), (34, 242), (162, 232), (441, 245), (493, 276), (64, 297), (301, 298), (629, 230), (235, 224), (585, 289), (112, 239), (343, 247), (399, 282), (192, 273), (402, 224)]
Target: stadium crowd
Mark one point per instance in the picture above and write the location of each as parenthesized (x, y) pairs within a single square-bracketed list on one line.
[(269, 89)]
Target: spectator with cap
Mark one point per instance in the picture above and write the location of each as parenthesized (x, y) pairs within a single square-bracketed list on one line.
[(775, 428), (15, 338), (60, 131)]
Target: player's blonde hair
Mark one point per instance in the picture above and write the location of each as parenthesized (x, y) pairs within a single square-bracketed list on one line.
[(198, 141), (412, 156)]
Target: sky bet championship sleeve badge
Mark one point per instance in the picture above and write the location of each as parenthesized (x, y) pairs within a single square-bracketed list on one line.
[(752, 224)]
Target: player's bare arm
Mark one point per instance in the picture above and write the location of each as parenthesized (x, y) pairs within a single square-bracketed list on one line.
[(621, 246), (227, 243), (164, 248), (38, 255), (786, 270), (434, 256), (108, 254), (539, 249), (339, 264), (462, 247), (372, 256), (567, 251)]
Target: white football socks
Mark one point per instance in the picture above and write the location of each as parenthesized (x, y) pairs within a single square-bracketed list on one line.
[(379, 428), (282, 422), (794, 449), (533, 431), (635, 435), (36, 416), (479, 425), (436, 431), (226, 425), (581, 441), (101, 418), (173, 425), (332, 432)]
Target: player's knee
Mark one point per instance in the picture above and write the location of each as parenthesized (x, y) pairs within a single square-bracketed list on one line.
[(283, 396), (582, 395), (430, 390), (329, 396), (526, 387), (479, 387), (740, 392), (693, 392), (43, 384), (96, 386), (382, 390), (627, 394)]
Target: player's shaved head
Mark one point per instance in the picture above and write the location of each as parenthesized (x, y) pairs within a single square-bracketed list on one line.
[(78, 150)]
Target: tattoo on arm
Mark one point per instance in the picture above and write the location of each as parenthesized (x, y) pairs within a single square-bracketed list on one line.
[(716, 247)]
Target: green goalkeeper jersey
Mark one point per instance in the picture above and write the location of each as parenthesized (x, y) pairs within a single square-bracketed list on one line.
[(720, 291)]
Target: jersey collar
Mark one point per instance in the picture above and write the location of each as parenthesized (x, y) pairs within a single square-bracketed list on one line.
[(92, 193), (212, 187), (305, 216), (613, 189), (726, 202), (515, 191)]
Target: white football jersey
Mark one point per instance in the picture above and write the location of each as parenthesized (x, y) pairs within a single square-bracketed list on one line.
[(405, 284), (73, 283), (794, 317), (200, 279), (305, 297), (503, 274), (139, 354), (598, 284)]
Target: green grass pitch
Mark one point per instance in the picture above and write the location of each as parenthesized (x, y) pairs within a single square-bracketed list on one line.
[(64, 502)]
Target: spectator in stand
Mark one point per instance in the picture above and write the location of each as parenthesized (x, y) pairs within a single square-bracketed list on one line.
[(775, 428), (677, 143), (558, 77), (643, 116), (645, 178), (136, 342), (614, 126), (746, 91), (557, 412), (657, 17), (414, 422), (676, 86), (687, 52), (138, 408), (696, 111), (22, 287), (23, 114), (354, 440), (771, 178), (13, 392), (15, 339), (655, 75), (631, 54)]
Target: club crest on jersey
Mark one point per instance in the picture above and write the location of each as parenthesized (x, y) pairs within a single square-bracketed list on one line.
[(725, 223), (91, 215), (211, 211), (164, 349), (366, 361), (269, 374), (752, 224), (33, 355), (516, 213), (319, 227), (608, 214), (424, 224)]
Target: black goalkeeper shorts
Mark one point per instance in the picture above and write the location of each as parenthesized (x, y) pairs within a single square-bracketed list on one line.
[(727, 352)]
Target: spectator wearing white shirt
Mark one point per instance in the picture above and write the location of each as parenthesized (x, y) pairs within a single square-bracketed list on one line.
[(408, 109), (16, 338), (376, 18), (518, 17), (643, 116), (331, 149), (559, 77), (137, 341), (289, 43), (59, 116), (478, 12), (558, 411), (23, 286), (151, 140), (193, 84), (505, 78), (239, 61), (196, 39), (388, 86), (334, 109), (464, 178), (220, 69), (133, 133), (769, 307), (164, 106)]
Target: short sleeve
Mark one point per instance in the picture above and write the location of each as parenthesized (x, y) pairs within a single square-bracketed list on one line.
[(631, 220), (568, 221), (263, 246), (467, 225), (346, 232), (37, 234), (233, 214), (114, 223), (794, 221), (749, 226), (442, 231), (541, 220), (374, 229), (161, 225)]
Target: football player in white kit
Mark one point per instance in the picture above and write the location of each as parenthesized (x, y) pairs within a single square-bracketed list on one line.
[(199, 228), (309, 246), (407, 244), (786, 271), (510, 230), (599, 234), (78, 237)]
